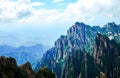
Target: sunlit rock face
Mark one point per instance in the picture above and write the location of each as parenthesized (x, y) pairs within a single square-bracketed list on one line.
[(79, 37)]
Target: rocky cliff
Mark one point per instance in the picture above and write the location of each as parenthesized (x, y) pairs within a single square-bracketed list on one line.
[(106, 55), (79, 37), (103, 63)]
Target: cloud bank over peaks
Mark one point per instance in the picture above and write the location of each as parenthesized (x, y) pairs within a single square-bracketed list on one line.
[(27, 11), (33, 19)]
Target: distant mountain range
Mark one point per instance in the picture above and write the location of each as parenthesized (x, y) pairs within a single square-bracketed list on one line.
[(9, 39), (23, 54), (79, 37)]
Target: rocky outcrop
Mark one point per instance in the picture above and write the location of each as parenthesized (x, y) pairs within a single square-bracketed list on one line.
[(9, 69), (27, 69)]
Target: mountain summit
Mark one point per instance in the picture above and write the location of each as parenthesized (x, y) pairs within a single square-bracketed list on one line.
[(79, 37)]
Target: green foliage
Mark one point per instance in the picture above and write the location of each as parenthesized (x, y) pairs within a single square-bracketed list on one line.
[(66, 48), (45, 73), (9, 69)]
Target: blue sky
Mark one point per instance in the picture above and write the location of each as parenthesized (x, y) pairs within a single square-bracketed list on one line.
[(29, 22), (55, 4)]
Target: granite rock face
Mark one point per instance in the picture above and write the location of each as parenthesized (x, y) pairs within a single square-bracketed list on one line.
[(103, 63), (106, 55), (79, 37)]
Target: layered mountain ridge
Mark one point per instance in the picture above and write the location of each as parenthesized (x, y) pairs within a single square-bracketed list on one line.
[(23, 54), (79, 37)]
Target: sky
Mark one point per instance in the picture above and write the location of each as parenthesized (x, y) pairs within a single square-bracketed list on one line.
[(30, 22)]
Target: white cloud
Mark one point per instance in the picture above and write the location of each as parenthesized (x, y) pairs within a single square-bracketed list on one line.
[(87, 9), (93, 10), (41, 16), (12, 11), (82, 10), (37, 4), (56, 1)]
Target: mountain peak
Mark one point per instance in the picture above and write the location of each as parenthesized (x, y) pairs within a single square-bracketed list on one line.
[(79, 37), (110, 24), (79, 23)]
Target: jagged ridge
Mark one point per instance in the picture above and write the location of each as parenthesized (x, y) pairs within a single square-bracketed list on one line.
[(79, 36)]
